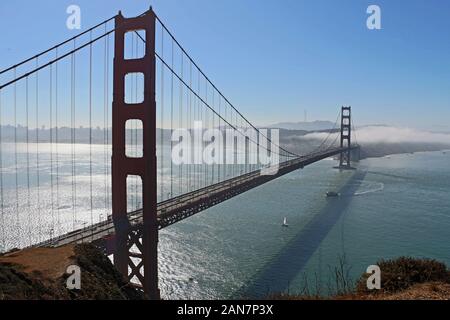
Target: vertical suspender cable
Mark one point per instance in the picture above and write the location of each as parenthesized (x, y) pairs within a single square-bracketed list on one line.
[(238, 149), (202, 121), (51, 152), (37, 153), (161, 149), (220, 165), (204, 118), (56, 147), (108, 202), (105, 127), (28, 160), (213, 127), (230, 174), (190, 127), (236, 165), (197, 118), (234, 145), (180, 187), (15, 156), (206, 127), (72, 136), (225, 167), (90, 131), (171, 125), (198, 169), (1, 181), (74, 129)]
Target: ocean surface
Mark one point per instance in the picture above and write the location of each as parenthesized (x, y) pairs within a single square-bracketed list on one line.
[(388, 207)]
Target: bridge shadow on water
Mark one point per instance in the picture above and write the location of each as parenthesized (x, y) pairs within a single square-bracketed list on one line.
[(283, 269)]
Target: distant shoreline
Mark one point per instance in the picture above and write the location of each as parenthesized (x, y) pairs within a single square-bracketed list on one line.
[(367, 151), (383, 150)]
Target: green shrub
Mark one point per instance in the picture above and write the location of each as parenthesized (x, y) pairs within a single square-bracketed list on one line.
[(401, 273)]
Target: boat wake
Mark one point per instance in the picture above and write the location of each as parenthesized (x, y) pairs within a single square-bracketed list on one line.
[(371, 187)]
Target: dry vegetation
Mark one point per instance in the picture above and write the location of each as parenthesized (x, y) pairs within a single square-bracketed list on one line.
[(404, 278), (39, 273)]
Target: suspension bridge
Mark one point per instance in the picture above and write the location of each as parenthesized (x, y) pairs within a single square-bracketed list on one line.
[(86, 136)]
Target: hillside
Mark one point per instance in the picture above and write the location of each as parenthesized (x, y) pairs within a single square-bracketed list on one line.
[(40, 274), (404, 278)]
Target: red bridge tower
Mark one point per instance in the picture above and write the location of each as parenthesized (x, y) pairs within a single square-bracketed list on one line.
[(145, 239)]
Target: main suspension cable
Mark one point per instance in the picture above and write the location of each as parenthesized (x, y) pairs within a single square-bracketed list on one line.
[(56, 46)]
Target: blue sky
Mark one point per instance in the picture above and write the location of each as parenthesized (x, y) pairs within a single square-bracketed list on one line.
[(274, 59)]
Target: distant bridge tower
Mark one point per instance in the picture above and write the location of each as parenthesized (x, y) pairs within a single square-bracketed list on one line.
[(346, 134), (142, 264)]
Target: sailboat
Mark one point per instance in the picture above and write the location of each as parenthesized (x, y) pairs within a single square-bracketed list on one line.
[(285, 224)]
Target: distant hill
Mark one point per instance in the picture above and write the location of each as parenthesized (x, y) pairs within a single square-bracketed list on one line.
[(307, 126)]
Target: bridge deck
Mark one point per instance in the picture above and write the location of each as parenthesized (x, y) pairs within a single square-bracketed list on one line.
[(186, 205)]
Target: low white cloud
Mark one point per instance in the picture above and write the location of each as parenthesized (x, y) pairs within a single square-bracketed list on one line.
[(385, 134)]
